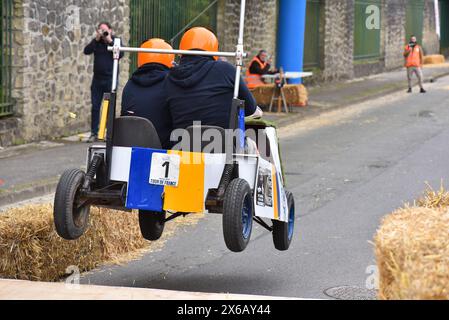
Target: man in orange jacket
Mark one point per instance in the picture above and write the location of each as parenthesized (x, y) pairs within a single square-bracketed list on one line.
[(259, 66), (414, 59)]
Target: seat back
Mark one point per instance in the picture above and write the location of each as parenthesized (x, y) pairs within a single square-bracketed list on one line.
[(208, 136), (135, 132)]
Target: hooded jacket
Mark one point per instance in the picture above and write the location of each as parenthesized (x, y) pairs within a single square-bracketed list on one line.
[(144, 96), (201, 89)]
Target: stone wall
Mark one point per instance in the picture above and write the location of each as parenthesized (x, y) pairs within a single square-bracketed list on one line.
[(338, 40), (260, 26), (51, 74), (431, 41), (395, 18)]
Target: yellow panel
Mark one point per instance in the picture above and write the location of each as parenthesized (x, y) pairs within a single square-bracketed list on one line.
[(188, 196), (275, 193), (103, 120)]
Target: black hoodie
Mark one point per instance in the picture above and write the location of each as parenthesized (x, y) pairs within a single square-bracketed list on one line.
[(201, 89), (144, 96)]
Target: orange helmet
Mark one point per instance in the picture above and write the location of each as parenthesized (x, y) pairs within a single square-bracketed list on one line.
[(199, 38), (165, 59)]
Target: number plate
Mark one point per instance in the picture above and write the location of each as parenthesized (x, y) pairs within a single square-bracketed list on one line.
[(165, 169)]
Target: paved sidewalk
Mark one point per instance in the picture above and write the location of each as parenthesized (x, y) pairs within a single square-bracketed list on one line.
[(33, 170)]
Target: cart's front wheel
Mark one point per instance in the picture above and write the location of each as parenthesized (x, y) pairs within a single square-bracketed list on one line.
[(151, 224), (283, 231), (69, 213), (238, 212)]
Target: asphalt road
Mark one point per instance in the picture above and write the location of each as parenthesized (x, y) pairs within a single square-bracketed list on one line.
[(347, 169)]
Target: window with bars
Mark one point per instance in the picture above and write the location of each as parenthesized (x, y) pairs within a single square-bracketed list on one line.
[(168, 19), (6, 105)]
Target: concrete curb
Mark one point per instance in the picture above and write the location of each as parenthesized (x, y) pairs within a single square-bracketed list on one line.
[(10, 197), (28, 290)]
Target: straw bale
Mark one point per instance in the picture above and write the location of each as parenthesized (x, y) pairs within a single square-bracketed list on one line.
[(412, 250), (434, 59), (263, 94), (30, 248), (296, 95)]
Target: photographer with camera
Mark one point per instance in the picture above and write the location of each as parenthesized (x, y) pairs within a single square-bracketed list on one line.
[(103, 65), (414, 59)]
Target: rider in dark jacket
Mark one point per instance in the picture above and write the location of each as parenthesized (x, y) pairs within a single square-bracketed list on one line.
[(201, 88), (144, 94)]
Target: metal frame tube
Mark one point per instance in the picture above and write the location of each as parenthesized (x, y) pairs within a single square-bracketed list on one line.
[(242, 21), (116, 49), (180, 52), (240, 54), (116, 55)]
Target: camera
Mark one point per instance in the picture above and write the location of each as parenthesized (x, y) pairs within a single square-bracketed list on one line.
[(105, 34), (412, 44)]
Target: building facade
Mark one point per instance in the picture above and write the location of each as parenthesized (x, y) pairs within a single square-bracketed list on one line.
[(45, 78)]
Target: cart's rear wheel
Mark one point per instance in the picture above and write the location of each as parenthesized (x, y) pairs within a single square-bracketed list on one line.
[(69, 213), (151, 224), (238, 212), (283, 231)]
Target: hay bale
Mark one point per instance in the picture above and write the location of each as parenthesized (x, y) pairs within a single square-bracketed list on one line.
[(412, 250), (434, 59), (263, 94), (295, 94), (30, 248)]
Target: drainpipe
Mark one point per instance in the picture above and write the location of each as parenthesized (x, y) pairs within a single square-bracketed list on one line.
[(291, 30)]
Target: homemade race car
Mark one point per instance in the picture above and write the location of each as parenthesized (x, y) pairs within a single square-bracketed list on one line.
[(132, 172)]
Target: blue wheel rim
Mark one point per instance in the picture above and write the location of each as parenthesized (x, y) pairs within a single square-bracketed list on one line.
[(291, 222), (247, 217)]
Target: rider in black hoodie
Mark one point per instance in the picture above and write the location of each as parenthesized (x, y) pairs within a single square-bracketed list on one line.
[(144, 95), (201, 88)]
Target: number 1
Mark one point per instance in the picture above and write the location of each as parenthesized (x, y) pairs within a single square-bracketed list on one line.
[(166, 164)]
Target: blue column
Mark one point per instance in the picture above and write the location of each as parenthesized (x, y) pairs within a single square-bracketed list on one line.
[(291, 30)]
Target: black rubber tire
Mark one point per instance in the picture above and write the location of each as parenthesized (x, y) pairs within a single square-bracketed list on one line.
[(280, 229), (233, 204), (70, 222), (151, 224)]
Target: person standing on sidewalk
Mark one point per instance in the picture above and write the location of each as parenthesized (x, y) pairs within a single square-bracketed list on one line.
[(414, 60), (103, 65)]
